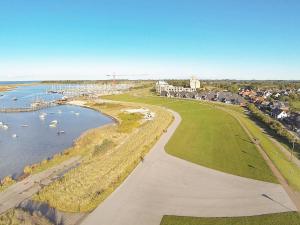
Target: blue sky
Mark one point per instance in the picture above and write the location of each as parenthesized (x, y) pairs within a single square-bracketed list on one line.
[(86, 39)]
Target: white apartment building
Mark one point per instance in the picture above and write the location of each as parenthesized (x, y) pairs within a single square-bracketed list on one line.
[(164, 86), (161, 86)]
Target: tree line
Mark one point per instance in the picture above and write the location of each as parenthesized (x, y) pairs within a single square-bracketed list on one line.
[(274, 125)]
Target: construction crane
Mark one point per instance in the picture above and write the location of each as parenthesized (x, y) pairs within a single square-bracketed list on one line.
[(114, 77)]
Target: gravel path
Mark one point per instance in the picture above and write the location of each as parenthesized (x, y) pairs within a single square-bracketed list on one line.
[(166, 185), (22, 190)]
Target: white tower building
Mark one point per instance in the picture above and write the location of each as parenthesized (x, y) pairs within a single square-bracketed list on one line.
[(194, 83)]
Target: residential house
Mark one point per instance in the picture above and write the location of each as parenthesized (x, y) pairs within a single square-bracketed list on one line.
[(279, 113)]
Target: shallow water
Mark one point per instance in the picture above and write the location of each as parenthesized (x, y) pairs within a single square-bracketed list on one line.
[(25, 145)]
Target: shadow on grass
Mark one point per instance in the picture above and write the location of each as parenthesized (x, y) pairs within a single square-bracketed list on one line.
[(243, 139)]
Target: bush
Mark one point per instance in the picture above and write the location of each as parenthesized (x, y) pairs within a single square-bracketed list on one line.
[(27, 170), (105, 145), (6, 182)]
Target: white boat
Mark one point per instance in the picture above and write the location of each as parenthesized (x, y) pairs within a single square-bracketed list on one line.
[(24, 125), (60, 132), (14, 136), (5, 127), (77, 114), (54, 122), (59, 112)]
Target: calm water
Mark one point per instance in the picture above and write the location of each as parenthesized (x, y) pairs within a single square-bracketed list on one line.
[(25, 145), (25, 95)]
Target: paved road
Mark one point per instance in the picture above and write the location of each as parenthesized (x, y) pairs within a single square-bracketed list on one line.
[(166, 185)]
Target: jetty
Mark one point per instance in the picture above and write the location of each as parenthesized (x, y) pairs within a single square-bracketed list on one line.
[(31, 108)]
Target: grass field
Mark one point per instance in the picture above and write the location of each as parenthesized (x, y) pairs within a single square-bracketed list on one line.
[(210, 137), (290, 218)]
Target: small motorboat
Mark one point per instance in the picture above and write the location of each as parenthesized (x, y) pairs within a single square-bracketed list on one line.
[(14, 136), (54, 122), (60, 132), (53, 125), (24, 125), (14, 99), (77, 114)]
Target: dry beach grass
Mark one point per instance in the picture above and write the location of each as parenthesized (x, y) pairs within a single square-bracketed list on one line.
[(84, 187)]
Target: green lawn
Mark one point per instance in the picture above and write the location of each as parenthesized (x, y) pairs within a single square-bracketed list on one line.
[(291, 218), (290, 171), (210, 137)]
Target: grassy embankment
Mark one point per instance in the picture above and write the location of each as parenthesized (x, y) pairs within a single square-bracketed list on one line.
[(20, 217), (289, 170), (111, 154), (210, 137), (290, 218)]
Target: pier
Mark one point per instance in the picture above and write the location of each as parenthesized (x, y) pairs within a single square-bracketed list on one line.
[(30, 109)]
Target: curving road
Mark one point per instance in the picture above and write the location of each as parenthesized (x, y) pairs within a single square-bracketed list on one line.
[(166, 185)]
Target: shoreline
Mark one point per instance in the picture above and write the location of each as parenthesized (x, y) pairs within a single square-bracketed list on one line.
[(9, 87), (35, 165), (76, 103)]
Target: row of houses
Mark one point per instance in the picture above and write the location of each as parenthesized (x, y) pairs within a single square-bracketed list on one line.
[(261, 98), (225, 97), (164, 89), (268, 102)]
